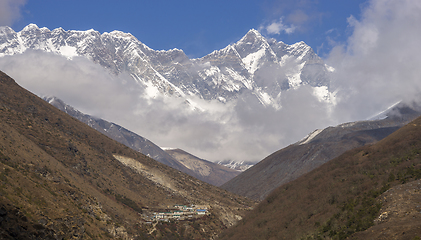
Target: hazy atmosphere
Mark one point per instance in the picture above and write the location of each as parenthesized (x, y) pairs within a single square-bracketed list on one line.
[(373, 47)]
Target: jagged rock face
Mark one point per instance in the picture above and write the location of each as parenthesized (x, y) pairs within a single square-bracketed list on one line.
[(263, 68)]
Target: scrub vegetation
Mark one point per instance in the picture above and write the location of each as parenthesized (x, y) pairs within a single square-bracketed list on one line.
[(342, 197)]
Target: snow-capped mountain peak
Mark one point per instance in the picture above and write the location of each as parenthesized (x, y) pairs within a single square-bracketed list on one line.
[(120, 34), (222, 75), (31, 26)]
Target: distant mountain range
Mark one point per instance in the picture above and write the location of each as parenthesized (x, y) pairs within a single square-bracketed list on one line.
[(226, 85), (221, 75)]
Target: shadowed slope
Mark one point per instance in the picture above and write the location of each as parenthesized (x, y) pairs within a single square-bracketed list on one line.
[(340, 197), (318, 148)]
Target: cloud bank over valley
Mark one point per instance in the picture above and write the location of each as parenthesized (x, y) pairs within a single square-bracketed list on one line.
[(377, 67), (242, 130)]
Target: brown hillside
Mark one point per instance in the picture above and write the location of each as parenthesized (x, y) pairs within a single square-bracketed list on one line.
[(62, 179), (297, 159), (343, 196), (400, 214)]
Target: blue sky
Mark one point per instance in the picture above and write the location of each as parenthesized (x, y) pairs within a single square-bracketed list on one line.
[(197, 27)]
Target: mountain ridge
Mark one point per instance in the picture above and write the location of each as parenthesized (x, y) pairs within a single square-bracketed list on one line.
[(317, 148), (217, 174), (172, 72), (222, 89)]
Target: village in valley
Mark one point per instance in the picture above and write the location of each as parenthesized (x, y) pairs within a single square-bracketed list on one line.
[(175, 213)]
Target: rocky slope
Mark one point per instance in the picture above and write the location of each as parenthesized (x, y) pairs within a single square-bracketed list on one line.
[(62, 179), (358, 195), (316, 149)]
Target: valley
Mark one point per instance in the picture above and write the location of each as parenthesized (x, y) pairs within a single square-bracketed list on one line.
[(103, 137)]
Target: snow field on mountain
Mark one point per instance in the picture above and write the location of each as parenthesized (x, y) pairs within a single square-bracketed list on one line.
[(251, 62)]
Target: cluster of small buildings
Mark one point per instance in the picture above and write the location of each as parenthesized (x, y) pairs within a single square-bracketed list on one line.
[(179, 212)]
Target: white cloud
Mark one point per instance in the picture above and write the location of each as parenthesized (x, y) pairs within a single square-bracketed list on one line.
[(330, 31), (243, 130), (277, 27), (10, 11), (380, 64)]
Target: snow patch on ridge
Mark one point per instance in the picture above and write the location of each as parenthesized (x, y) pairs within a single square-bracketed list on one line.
[(383, 114), (238, 77), (239, 166), (168, 148), (212, 71), (301, 49), (310, 136), (251, 61)]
